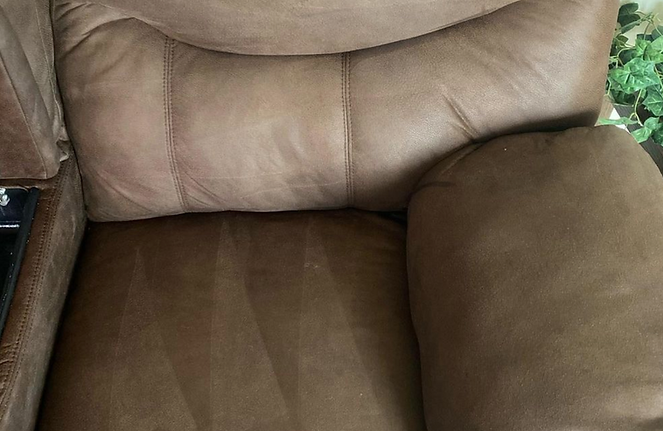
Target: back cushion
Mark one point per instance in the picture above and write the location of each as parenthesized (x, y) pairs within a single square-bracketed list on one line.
[(296, 27), (163, 127)]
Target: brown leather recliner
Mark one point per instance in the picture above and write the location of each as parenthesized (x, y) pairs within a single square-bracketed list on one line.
[(522, 292)]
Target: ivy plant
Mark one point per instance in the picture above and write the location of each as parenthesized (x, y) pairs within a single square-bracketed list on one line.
[(635, 77)]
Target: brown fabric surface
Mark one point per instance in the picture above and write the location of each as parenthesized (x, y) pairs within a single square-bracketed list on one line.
[(513, 71), (31, 20), (162, 127), (235, 321), (535, 278), (29, 124), (29, 334), (289, 27)]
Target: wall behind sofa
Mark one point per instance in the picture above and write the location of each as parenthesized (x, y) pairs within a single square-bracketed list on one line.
[(650, 6)]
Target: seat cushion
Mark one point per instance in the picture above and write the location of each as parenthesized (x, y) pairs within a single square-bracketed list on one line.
[(235, 321)]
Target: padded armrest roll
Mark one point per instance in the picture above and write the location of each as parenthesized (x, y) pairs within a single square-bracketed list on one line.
[(536, 277), (42, 284), (30, 116)]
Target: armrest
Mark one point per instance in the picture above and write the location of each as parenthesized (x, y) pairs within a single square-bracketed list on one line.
[(42, 284), (31, 122), (536, 277)]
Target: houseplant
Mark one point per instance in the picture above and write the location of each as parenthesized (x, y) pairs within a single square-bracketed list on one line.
[(635, 78)]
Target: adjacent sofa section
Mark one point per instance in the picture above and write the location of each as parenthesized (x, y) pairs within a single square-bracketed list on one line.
[(535, 272), (31, 123), (33, 153), (43, 282)]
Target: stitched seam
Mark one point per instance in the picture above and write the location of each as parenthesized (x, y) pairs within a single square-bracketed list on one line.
[(44, 243), (347, 126), (51, 67), (25, 117), (27, 320), (350, 137), (182, 191), (169, 48), (345, 129)]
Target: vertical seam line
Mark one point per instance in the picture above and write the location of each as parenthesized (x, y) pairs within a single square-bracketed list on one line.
[(347, 126), (169, 48), (351, 137), (345, 130), (51, 66)]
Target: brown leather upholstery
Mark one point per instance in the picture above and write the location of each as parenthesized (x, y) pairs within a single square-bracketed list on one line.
[(31, 120), (27, 339), (289, 27), (239, 322), (534, 268), (162, 127), (535, 277)]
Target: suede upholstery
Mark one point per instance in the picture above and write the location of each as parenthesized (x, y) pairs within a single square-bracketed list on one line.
[(239, 322), (294, 27), (535, 278), (162, 127), (30, 22), (28, 337), (31, 120), (529, 298)]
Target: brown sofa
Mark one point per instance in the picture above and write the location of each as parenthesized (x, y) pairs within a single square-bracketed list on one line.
[(249, 265)]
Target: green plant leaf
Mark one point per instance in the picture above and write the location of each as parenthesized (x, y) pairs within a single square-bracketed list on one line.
[(629, 22), (628, 9), (653, 52), (630, 27), (624, 121), (654, 101), (653, 123), (657, 136), (629, 54), (657, 33), (621, 98), (619, 76), (641, 135), (641, 46), (657, 44), (636, 75), (628, 17), (651, 126)]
